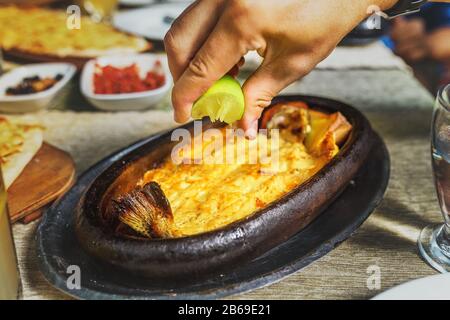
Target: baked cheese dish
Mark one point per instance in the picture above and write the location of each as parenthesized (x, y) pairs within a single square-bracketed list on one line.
[(201, 196), (42, 31)]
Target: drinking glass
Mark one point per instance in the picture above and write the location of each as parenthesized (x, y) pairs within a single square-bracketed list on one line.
[(434, 240), (99, 10), (9, 272)]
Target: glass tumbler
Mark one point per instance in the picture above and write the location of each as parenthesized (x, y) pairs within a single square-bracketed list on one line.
[(434, 240), (9, 273)]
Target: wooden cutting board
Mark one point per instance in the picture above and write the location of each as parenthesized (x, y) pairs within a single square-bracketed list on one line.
[(48, 175)]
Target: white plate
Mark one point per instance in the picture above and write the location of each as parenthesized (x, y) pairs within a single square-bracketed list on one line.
[(125, 101), (435, 287), (35, 101), (150, 22)]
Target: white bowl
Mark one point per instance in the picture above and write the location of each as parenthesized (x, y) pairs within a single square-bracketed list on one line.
[(125, 101), (34, 101)]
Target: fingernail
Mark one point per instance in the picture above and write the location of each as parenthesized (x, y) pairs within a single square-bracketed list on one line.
[(252, 131), (176, 118)]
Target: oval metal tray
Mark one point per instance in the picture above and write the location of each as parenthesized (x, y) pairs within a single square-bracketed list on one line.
[(58, 247)]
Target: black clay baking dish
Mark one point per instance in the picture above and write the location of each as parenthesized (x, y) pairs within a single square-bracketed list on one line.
[(58, 248), (209, 253)]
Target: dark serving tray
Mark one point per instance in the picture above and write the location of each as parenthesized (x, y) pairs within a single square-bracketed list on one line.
[(58, 247)]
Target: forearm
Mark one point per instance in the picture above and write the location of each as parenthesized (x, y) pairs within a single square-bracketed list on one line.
[(384, 4), (352, 12), (293, 36)]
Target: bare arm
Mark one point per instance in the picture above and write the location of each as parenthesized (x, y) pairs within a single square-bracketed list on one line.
[(211, 36)]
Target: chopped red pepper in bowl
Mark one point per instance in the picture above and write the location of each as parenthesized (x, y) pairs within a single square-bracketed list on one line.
[(115, 80)]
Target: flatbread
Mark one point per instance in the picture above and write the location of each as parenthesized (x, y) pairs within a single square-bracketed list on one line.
[(19, 142), (44, 32)]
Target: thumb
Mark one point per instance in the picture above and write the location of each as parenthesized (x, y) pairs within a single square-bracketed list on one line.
[(263, 85)]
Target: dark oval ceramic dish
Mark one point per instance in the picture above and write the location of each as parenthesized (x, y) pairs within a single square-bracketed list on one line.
[(241, 241)]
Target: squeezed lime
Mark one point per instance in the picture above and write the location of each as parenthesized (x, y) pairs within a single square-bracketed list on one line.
[(224, 102)]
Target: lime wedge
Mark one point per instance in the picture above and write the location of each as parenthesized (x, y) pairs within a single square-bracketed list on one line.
[(224, 101)]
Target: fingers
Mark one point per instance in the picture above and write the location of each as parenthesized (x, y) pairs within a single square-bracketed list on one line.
[(413, 51), (265, 84), (189, 32), (409, 39), (398, 22), (222, 50), (398, 28), (235, 70), (404, 30)]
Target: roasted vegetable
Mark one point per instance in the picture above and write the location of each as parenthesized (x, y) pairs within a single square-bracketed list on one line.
[(33, 84), (146, 210), (291, 120), (320, 132)]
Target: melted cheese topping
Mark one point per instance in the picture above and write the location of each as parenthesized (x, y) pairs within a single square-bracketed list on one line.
[(44, 31), (205, 197)]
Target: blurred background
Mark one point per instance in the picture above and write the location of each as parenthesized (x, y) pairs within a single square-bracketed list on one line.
[(423, 41)]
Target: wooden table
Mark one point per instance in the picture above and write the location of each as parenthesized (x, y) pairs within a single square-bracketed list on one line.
[(398, 107)]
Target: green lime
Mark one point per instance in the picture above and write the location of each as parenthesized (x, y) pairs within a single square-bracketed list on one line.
[(224, 101)]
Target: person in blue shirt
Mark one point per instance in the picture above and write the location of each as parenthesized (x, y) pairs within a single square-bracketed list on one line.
[(423, 41)]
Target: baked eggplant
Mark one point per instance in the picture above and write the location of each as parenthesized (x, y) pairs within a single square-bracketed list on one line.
[(127, 225)]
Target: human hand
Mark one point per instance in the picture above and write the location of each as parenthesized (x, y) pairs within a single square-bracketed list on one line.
[(410, 39), (212, 36)]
